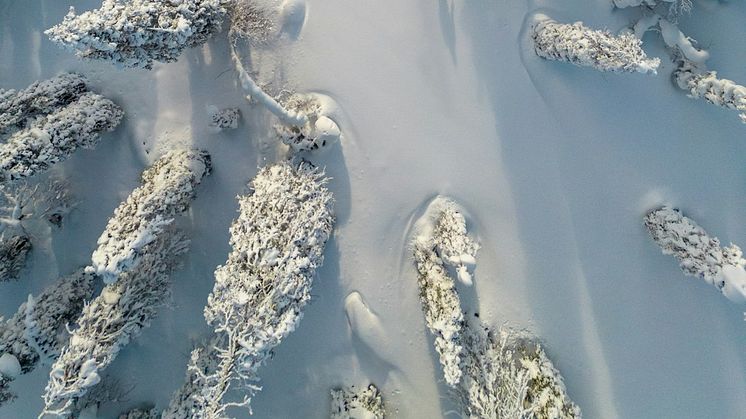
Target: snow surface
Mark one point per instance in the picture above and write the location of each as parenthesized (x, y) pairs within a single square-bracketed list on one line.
[(556, 164)]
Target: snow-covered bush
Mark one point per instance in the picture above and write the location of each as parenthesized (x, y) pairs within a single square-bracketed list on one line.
[(698, 253), (135, 33), (349, 403), (166, 191), (141, 414), (225, 118), (318, 130), (260, 292), (52, 138), (702, 84), (502, 374), (111, 321), (582, 46), (39, 328), (17, 108), (14, 252)]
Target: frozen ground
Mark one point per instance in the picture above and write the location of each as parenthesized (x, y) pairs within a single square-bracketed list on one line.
[(555, 164)]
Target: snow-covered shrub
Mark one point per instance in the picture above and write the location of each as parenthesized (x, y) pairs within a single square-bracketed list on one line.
[(38, 329), (53, 138), (441, 229), (17, 108), (702, 84), (5, 394), (675, 7), (698, 253), (260, 292), (14, 252), (111, 321), (135, 33), (225, 118), (166, 191), (141, 414), (502, 374), (349, 403), (317, 131), (582, 46)]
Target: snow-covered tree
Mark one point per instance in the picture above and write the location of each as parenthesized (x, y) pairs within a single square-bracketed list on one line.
[(167, 189), (135, 33), (698, 253), (503, 374), (260, 292), (18, 108), (703, 84), (38, 330), (53, 138), (349, 403), (111, 321), (585, 47), (14, 252)]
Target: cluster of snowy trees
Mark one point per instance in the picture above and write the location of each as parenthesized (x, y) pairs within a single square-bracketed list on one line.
[(141, 248), (494, 374), (260, 292), (135, 33), (698, 253)]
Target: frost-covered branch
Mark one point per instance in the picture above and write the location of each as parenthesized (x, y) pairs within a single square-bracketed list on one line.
[(502, 374), (38, 330), (167, 190), (53, 138), (698, 253), (18, 108), (582, 46), (135, 33), (111, 321), (349, 403), (260, 292)]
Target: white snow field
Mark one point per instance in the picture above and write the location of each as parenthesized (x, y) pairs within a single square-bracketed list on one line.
[(556, 166)]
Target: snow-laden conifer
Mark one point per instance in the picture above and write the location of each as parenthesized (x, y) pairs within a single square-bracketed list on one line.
[(698, 253), (349, 403), (111, 321), (14, 251), (53, 138), (18, 108), (260, 292), (503, 374), (38, 330), (585, 47), (703, 84), (142, 285), (135, 33), (166, 191)]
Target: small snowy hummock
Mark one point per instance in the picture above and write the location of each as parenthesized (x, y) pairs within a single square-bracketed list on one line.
[(582, 46), (698, 253), (18, 108), (350, 403), (53, 138), (167, 190), (277, 242), (9, 366), (135, 33), (318, 132), (225, 118)]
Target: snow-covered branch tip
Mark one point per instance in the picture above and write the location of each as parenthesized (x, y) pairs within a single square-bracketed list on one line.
[(38, 330), (260, 292), (136, 33), (349, 403), (698, 253), (167, 190), (19, 108), (703, 84), (494, 375), (52, 138), (585, 47), (111, 321)]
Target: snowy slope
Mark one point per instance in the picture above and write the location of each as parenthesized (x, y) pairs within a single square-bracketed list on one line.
[(555, 164)]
